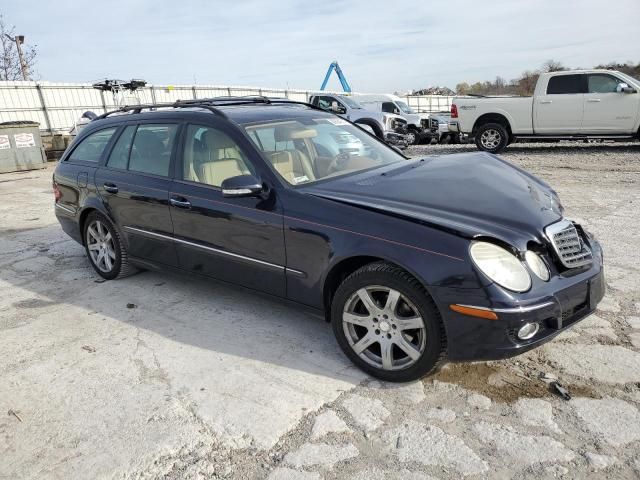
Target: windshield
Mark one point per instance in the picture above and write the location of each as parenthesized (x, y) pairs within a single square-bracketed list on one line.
[(404, 107), (305, 150), (350, 102)]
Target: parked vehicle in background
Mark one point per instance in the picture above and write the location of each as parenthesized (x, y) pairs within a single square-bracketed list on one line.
[(389, 127), (413, 261), (421, 127), (568, 105), (445, 135)]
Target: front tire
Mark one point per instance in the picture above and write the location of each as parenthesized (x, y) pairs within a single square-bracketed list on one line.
[(387, 324), (492, 137), (105, 249), (413, 137)]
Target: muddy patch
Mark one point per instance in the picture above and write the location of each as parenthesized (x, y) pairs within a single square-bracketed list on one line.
[(501, 384)]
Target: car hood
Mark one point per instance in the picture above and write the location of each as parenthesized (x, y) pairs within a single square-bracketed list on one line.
[(471, 195)]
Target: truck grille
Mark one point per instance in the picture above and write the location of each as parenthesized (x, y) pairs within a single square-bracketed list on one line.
[(399, 125), (571, 249)]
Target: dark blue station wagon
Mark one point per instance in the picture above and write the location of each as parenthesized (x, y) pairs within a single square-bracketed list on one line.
[(413, 261)]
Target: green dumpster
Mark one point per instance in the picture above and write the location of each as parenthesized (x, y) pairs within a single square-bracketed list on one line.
[(21, 147)]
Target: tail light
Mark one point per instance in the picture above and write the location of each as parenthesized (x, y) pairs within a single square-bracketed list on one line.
[(454, 110), (57, 194)]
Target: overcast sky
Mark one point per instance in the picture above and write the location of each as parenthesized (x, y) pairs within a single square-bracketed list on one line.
[(380, 45)]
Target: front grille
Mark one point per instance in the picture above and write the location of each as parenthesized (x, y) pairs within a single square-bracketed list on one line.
[(399, 125), (424, 123), (571, 249), (434, 124)]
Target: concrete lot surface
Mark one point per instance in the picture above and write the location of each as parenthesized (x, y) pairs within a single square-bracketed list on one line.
[(165, 376)]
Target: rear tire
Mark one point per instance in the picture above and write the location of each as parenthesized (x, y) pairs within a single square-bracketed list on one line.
[(105, 249), (387, 324), (492, 137)]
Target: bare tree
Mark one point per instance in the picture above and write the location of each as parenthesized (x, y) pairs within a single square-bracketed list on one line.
[(553, 66), (10, 67)]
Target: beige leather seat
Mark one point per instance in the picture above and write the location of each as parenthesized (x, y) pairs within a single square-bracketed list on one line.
[(222, 159), (293, 164)]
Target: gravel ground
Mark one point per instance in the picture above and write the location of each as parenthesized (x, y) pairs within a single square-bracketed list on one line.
[(164, 376)]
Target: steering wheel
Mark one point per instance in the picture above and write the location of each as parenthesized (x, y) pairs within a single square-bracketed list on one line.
[(339, 162)]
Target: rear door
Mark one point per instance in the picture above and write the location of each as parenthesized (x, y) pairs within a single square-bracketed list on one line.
[(560, 110), (238, 240), (134, 184), (605, 109)]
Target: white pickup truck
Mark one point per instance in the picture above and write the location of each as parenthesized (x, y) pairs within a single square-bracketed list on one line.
[(571, 105)]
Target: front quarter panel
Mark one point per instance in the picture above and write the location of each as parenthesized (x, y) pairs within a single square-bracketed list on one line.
[(321, 233)]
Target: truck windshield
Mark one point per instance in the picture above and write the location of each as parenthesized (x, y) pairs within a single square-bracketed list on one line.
[(351, 103), (305, 150), (404, 107)]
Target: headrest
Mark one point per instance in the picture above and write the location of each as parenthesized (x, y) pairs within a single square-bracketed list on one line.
[(215, 139)]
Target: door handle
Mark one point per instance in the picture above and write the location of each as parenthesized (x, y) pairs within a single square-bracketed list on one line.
[(546, 101), (180, 202), (110, 187), (593, 100)]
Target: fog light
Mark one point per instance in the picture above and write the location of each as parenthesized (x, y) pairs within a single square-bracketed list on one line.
[(527, 331)]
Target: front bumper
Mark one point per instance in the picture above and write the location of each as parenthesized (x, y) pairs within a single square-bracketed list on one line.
[(570, 300), (394, 138)]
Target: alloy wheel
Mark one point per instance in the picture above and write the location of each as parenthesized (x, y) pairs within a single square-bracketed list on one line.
[(384, 328), (100, 246), (490, 138)]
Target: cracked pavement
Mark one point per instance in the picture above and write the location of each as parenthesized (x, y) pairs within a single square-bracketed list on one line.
[(198, 379)]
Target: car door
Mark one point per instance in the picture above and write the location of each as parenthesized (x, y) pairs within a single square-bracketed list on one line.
[(560, 110), (605, 109), (239, 240), (134, 184)]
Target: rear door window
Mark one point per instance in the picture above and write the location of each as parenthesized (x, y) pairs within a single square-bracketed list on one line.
[(119, 157), (566, 84), (152, 147), (90, 149)]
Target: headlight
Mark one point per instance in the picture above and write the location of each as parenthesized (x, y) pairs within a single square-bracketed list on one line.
[(501, 266), (537, 265)]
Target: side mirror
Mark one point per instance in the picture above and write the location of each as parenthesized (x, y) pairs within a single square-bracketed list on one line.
[(396, 111), (625, 88), (241, 186)]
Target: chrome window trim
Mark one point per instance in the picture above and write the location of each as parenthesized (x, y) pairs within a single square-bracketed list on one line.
[(214, 250)]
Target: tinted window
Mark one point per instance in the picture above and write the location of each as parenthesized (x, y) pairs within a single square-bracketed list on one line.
[(562, 84), (90, 149), (325, 102), (388, 107), (603, 84), (151, 150), (119, 157), (211, 156)]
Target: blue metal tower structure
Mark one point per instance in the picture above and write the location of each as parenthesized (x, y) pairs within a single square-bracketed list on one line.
[(343, 81)]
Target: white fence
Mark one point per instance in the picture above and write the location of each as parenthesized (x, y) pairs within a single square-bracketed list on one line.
[(57, 106)]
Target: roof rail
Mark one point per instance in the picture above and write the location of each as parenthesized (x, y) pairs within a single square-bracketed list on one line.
[(208, 104)]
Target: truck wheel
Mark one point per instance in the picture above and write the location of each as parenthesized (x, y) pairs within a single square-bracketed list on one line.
[(492, 137), (413, 137)]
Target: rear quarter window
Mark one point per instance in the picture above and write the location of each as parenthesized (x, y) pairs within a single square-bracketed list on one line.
[(91, 147)]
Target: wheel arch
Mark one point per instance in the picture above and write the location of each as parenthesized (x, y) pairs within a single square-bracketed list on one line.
[(492, 118), (345, 267), (373, 124), (86, 211)]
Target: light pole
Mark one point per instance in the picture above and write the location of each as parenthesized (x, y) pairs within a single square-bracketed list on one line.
[(19, 39)]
